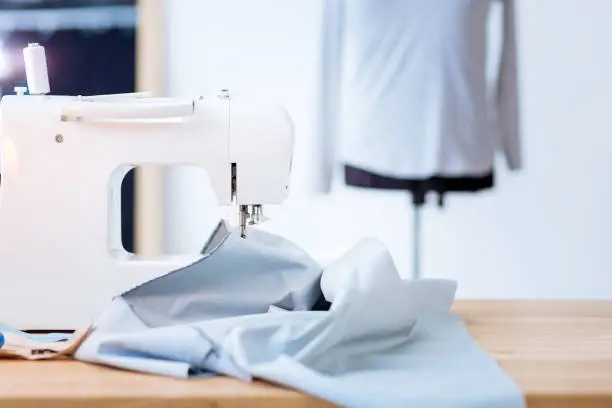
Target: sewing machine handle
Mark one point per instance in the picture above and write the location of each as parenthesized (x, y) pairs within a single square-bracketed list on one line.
[(143, 111)]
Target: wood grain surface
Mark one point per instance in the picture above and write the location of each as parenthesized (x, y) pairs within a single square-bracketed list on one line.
[(559, 353)]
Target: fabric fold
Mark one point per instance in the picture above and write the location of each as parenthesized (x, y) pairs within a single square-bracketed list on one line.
[(384, 342)]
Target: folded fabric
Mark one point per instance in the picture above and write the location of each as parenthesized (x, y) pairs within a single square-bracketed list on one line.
[(384, 342), (42, 337), (239, 277), (22, 345)]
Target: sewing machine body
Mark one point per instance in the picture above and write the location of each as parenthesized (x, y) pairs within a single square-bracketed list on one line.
[(62, 163)]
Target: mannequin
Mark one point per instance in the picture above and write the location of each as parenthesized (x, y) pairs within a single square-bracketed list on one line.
[(405, 102), (419, 188)]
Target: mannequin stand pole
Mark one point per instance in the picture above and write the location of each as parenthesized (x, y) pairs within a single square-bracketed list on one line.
[(416, 242)]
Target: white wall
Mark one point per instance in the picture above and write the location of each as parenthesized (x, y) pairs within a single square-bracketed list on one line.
[(544, 232)]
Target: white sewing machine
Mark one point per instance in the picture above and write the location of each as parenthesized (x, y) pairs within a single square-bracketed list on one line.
[(62, 162)]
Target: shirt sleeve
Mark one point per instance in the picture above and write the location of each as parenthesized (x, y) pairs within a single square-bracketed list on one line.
[(507, 95), (325, 137)]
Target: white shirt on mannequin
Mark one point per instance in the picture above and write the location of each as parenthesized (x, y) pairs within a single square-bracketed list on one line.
[(404, 90)]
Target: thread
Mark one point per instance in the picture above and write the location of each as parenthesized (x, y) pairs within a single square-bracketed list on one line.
[(36, 69)]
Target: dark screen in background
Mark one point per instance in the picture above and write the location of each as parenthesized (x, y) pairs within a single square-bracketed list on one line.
[(78, 62)]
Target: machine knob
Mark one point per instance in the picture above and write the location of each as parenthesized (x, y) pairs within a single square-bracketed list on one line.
[(21, 90)]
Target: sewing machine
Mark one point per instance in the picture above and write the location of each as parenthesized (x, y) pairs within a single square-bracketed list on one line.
[(63, 159)]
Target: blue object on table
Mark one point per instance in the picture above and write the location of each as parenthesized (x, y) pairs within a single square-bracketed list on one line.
[(1, 339)]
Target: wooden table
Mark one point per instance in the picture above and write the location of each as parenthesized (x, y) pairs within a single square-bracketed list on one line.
[(559, 353)]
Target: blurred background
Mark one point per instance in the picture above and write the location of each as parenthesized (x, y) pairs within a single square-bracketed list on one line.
[(542, 232)]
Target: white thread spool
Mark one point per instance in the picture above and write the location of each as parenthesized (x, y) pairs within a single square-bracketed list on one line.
[(36, 69)]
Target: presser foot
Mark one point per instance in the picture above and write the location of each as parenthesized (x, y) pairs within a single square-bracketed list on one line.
[(249, 215)]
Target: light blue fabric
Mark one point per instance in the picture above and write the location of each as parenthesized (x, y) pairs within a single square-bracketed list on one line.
[(440, 366), (240, 277), (44, 337), (384, 343)]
